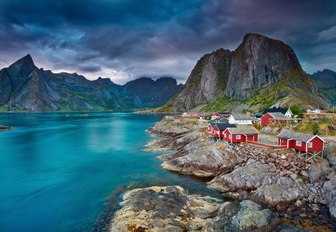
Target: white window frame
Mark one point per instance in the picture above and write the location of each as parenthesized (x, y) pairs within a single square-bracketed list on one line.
[(238, 137), (310, 145), (298, 143), (229, 136)]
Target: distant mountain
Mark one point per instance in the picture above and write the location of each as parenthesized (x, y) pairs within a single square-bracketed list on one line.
[(24, 87), (153, 93), (260, 73), (326, 81)]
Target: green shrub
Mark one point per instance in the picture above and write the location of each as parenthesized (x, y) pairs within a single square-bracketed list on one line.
[(315, 128), (296, 110)]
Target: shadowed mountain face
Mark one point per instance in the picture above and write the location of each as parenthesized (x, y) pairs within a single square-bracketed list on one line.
[(24, 87), (260, 66), (153, 93), (326, 81)]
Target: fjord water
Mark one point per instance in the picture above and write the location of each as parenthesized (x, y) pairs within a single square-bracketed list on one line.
[(56, 170)]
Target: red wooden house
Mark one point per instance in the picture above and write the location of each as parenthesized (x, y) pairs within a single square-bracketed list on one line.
[(241, 134), (301, 142), (217, 129), (273, 118)]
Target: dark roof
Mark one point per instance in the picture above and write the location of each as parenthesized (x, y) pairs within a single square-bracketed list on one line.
[(274, 109), (222, 126), (241, 116), (278, 115), (258, 115), (224, 112), (244, 129)]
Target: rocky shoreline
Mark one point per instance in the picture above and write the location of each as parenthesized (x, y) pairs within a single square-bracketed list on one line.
[(299, 195)]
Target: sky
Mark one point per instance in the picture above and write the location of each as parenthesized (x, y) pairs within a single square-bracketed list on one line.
[(127, 39)]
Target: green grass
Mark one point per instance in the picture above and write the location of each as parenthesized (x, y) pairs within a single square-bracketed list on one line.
[(217, 105)]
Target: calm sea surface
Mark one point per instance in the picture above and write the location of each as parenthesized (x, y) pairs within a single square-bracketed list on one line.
[(57, 170)]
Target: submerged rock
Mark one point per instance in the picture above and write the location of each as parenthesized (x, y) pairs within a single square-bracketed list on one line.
[(3, 128)]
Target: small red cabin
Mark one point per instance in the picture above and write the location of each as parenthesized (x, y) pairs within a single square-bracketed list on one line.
[(217, 129), (241, 134), (301, 142), (273, 118)]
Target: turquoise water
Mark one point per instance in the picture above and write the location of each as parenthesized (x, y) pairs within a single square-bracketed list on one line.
[(57, 170)]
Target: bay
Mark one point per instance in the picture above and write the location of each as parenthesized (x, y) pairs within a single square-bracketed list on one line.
[(58, 169)]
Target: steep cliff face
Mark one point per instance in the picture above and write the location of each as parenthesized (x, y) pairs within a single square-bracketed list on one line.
[(259, 64), (326, 81), (206, 81), (24, 87)]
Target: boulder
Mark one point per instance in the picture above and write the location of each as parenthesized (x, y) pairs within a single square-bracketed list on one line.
[(249, 177), (163, 209), (202, 159), (284, 190), (318, 170), (332, 210), (331, 157), (250, 216)]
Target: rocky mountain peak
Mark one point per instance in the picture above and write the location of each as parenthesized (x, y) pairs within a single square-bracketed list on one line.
[(258, 63), (23, 66), (26, 61)]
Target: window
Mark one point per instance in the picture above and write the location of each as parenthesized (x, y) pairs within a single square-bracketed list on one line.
[(229, 136), (310, 145), (237, 136), (224, 135), (298, 143)]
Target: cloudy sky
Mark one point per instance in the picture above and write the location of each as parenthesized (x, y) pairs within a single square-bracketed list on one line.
[(126, 39)]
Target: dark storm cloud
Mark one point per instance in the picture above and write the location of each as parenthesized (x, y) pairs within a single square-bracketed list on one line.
[(124, 39)]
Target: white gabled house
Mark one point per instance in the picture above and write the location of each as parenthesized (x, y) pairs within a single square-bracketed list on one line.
[(242, 119), (286, 111)]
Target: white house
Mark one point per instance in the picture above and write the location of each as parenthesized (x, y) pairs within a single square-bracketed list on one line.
[(243, 119), (315, 111), (286, 111)]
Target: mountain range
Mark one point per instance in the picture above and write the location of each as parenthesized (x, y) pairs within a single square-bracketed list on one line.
[(260, 73), (24, 87)]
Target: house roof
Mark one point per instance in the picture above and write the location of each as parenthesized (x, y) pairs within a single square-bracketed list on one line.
[(274, 109), (248, 130), (258, 115), (241, 116), (222, 126), (278, 115), (288, 134)]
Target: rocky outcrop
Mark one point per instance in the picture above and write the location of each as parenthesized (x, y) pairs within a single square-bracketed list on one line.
[(250, 216), (201, 159), (260, 67), (296, 188), (24, 87), (4, 128), (163, 209), (172, 209)]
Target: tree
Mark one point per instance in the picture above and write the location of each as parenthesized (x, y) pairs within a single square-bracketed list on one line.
[(296, 111)]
